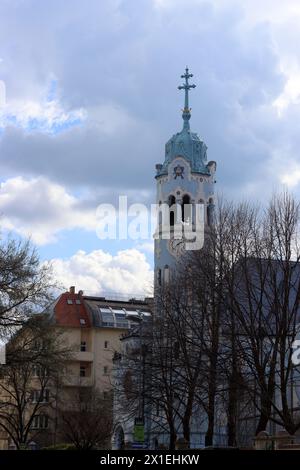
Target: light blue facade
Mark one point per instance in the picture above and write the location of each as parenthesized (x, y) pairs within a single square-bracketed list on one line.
[(185, 177)]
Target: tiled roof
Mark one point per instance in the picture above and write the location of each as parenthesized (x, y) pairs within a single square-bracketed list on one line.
[(76, 310)]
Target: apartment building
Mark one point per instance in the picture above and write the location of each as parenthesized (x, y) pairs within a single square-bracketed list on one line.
[(91, 327)]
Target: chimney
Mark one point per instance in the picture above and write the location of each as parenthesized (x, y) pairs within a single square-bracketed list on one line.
[(72, 290)]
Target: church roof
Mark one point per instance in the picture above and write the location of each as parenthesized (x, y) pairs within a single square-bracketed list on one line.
[(186, 144)]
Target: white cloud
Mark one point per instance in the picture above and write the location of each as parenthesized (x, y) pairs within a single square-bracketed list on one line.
[(292, 179), (280, 18), (39, 208), (44, 116), (291, 92), (98, 272)]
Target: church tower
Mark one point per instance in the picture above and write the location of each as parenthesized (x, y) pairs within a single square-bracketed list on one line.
[(184, 182)]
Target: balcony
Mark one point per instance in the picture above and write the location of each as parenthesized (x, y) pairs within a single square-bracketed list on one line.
[(76, 381), (83, 356)]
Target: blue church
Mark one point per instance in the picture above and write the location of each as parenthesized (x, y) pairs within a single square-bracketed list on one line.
[(184, 181)]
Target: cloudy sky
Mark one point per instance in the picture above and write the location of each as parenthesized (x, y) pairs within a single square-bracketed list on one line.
[(91, 99)]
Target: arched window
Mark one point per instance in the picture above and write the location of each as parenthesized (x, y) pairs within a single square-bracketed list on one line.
[(186, 215), (159, 277), (210, 211), (166, 274), (172, 202), (159, 221)]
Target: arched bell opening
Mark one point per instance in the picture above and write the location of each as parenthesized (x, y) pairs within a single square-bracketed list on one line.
[(171, 204), (186, 215)]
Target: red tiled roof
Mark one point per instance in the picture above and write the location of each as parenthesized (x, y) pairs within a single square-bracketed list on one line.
[(67, 314)]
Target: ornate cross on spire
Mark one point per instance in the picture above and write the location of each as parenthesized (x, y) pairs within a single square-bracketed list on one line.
[(186, 112)]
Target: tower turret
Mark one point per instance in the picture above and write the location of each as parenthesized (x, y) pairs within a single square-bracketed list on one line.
[(184, 179)]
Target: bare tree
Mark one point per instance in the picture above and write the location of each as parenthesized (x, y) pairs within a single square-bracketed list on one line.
[(185, 322), (265, 302), (143, 378), (29, 380), (225, 323), (86, 421), (257, 264), (245, 283), (25, 284)]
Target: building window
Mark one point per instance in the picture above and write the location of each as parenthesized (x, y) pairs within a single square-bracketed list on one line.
[(77, 302), (186, 209), (171, 204), (159, 277), (40, 422), (40, 371), (106, 344), (82, 321), (45, 396), (36, 370), (105, 370), (83, 346), (82, 372), (70, 302), (105, 395), (35, 396), (40, 396), (107, 317), (210, 211), (160, 220), (166, 274)]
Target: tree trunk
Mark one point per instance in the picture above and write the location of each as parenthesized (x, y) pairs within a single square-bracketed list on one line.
[(210, 432), (231, 427), (264, 416), (173, 437), (211, 419), (232, 410), (186, 430)]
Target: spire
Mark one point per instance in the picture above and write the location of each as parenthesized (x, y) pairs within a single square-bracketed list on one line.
[(186, 112)]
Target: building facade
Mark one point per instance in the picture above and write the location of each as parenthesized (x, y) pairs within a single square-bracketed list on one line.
[(90, 327)]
